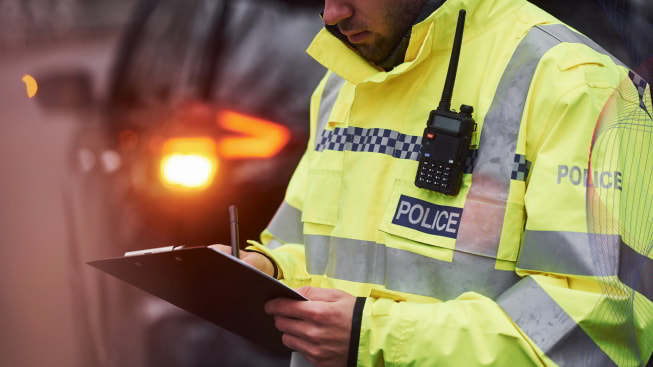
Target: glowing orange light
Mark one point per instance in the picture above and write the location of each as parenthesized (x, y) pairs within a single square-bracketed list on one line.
[(189, 163), (260, 139), (31, 85)]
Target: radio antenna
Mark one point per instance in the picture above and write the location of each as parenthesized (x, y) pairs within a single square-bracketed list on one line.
[(447, 93)]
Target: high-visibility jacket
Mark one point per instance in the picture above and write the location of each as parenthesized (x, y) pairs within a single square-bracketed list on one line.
[(502, 273)]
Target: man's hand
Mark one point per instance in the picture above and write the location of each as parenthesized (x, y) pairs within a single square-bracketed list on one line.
[(254, 259), (320, 328)]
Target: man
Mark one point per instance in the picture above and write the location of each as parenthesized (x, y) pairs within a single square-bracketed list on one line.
[(500, 274)]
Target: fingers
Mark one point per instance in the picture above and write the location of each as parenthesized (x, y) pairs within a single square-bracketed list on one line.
[(295, 327), (291, 308), (320, 328), (320, 345), (307, 349), (322, 294), (254, 259)]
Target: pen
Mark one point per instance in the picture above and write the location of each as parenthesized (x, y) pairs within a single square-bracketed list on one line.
[(233, 229)]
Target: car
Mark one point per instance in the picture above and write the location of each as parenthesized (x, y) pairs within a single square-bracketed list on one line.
[(208, 107)]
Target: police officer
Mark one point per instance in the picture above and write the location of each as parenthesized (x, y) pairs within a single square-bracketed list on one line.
[(499, 274)]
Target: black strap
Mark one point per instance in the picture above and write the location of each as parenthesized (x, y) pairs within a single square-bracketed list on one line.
[(354, 340)]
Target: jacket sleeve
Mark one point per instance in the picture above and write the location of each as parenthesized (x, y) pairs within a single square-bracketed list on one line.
[(574, 304), (283, 239)]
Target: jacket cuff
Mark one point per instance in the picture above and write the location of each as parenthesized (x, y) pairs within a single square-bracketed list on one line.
[(354, 339)]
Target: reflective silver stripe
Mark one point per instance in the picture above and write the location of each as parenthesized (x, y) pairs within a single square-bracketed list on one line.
[(493, 167), (497, 147), (586, 254), (329, 96), (550, 327), (564, 34), (570, 253), (636, 270), (342, 258), (316, 250), (405, 271), (274, 244), (286, 225)]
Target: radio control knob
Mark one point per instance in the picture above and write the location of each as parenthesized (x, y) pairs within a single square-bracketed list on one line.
[(466, 109)]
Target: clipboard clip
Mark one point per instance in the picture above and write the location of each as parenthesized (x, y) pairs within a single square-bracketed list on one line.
[(153, 250)]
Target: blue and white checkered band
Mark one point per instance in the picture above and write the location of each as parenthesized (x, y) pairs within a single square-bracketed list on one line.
[(521, 167), (357, 139), (640, 84), (472, 154), (390, 142)]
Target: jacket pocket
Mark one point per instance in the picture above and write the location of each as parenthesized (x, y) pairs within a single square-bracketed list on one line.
[(322, 197), (422, 215)]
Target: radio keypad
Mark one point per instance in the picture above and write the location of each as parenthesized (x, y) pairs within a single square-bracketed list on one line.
[(435, 173)]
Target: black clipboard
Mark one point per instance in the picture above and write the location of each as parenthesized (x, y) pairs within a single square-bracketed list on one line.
[(210, 284)]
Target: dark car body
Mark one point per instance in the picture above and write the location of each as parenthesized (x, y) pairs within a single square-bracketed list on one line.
[(182, 65)]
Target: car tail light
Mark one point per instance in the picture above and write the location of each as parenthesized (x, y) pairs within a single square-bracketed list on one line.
[(258, 138), (189, 163)]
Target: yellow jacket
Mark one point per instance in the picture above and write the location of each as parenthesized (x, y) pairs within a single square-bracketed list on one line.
[(502, 273)]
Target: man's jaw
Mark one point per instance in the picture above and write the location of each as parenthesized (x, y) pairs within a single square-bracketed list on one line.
[(356, 37)]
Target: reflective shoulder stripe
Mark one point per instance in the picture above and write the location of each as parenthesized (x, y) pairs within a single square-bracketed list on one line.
[(563, 34), (329, 96), (286, 225), (405, 271), (571, 253), (498, 141), (550, 327), (495, 162)]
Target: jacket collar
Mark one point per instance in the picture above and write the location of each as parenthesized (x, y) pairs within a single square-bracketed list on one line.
[(434, 33)]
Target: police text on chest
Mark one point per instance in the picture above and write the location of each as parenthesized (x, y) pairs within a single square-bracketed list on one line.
[(427, 217)]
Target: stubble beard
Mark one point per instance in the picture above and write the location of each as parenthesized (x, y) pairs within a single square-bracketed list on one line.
[(400, 17)]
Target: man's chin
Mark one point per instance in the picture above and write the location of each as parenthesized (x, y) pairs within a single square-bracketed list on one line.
[(370, 53)]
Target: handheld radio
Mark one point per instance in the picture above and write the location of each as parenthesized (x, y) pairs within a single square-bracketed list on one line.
[(448, 134)]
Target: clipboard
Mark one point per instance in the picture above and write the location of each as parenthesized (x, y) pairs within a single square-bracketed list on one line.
[(210, 284)]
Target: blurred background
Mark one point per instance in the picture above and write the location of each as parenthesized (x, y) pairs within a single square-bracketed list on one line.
[(133, 124)]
